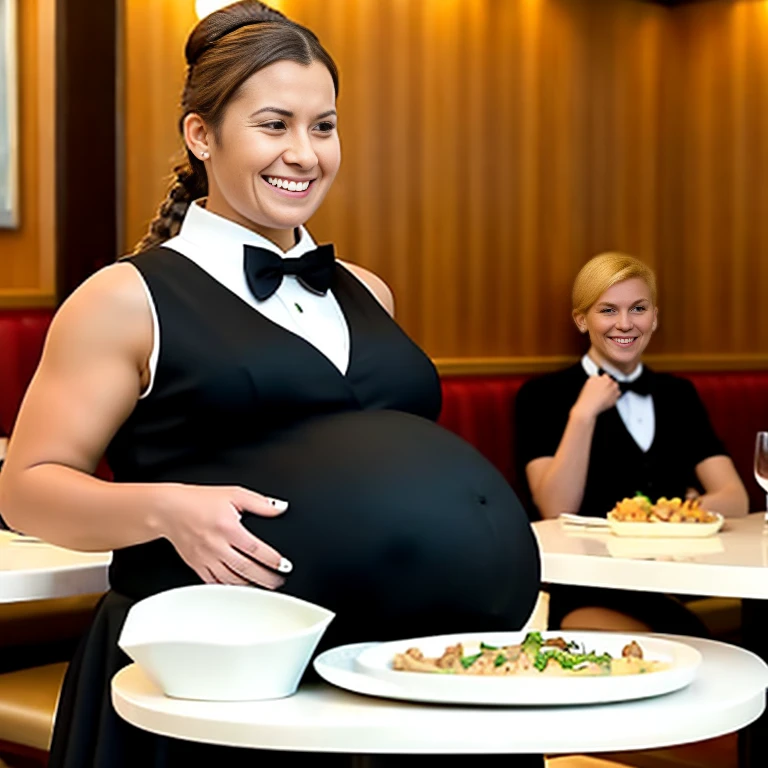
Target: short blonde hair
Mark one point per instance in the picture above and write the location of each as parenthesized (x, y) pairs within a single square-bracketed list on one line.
[(603, 271)]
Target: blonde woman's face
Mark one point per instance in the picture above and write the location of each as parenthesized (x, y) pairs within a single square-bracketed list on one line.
[(278, 152), (620, 324)]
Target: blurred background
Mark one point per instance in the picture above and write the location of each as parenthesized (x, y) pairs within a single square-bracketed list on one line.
[(490, 147)]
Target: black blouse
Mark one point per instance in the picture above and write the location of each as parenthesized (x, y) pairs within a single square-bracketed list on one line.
[(618, 467)]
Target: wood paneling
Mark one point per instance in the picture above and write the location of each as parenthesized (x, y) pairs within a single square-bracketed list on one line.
[(722, 165), (491, 147), (27, 253), (153, 69)]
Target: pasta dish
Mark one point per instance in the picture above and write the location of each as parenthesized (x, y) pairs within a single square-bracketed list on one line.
[(640, 509), (534, 656)]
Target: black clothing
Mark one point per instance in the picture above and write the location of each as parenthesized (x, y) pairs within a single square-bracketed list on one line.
[(642, 385), (264, 270), (660, 612), (394, 523), (618, 467)]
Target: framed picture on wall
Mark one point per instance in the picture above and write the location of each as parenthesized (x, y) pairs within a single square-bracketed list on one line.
[(9, 126)]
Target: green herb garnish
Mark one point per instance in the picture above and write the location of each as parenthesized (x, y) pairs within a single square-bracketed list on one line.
[(532, 643), (468, 661), (499, 660), (568, 660)]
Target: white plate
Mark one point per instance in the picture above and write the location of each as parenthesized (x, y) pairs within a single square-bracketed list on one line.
[(367, 668), (666, 530)]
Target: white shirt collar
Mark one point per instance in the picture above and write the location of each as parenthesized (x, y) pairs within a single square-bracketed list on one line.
[(217, 235), (592, 369)]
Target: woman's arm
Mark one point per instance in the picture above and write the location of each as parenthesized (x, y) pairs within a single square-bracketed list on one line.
[(723, 490), (557, 482), (90, 375)]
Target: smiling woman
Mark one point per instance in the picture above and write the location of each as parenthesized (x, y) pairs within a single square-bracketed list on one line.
[(242, 133), (266, 421), (269, 168), (609, 427)]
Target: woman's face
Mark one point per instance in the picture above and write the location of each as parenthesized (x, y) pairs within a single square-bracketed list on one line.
[(620, 324), (278, 150)]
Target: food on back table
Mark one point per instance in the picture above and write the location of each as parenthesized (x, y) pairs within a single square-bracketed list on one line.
[(640, 509)]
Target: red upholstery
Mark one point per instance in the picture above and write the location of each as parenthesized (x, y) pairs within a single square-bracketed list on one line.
[(737, 402), (22, 333), (478, 408), (481, 410)]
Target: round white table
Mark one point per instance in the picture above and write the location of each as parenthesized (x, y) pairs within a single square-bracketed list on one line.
[(33, 570), (733, 563), (727, 694)]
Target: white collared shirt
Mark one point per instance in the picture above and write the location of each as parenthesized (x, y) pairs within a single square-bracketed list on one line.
[(636, 411), (215, 244)]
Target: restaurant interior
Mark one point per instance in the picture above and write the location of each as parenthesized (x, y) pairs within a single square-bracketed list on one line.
[(490, 148)]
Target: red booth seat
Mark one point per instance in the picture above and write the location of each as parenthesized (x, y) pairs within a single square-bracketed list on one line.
[(22, 333)]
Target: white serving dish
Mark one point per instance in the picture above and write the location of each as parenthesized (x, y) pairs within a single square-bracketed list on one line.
[(216, 642), (663, 530), (371, 673)]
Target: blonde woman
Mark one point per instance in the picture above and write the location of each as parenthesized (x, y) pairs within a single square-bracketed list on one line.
[(609, 427)]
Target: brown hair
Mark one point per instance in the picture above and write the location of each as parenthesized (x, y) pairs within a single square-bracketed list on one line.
[(603, 271), (222, 52)]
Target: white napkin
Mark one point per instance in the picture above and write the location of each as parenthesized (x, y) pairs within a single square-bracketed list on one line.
[(566, 518)]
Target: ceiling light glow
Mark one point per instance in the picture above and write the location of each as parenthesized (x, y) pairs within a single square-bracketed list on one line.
[(204, 7)]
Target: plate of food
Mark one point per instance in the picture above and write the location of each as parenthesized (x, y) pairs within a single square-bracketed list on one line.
[(514, 668), (667, 518)]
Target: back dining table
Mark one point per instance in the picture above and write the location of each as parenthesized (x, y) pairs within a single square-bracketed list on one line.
[(34, 570), (732, 563)]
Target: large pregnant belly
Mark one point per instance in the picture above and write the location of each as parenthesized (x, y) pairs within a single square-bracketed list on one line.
[(394, 522)]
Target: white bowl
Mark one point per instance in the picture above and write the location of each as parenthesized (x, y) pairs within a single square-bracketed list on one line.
[(215, 642)]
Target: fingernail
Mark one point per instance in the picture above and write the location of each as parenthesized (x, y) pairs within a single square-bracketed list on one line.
[(285, 565), (278, 504)]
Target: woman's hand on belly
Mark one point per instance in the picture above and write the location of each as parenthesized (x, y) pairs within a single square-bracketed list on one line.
[(203, 524)]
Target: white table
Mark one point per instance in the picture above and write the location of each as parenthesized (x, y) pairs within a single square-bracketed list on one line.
[(734, 563), (34, 570), (322, 718)]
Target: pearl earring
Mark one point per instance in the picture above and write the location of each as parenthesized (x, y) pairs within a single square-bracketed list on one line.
[(204, 155)]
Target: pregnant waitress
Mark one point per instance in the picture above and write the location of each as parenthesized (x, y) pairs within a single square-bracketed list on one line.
[(266, 420)]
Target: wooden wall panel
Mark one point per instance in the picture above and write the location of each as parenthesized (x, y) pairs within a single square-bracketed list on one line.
[(153, 73), (723, 257), (491, 147), (27, 253)]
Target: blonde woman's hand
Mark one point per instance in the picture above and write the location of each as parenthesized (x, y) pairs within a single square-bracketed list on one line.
[(598, 394), (203, 524)]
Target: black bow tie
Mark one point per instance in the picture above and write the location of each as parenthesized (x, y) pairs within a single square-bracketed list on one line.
[(264, 270), (642, 385)]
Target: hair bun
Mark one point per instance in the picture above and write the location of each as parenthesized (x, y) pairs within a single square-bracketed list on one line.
[(220, 23)]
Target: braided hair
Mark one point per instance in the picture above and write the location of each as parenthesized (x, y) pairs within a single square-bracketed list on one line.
[(222, 52)]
